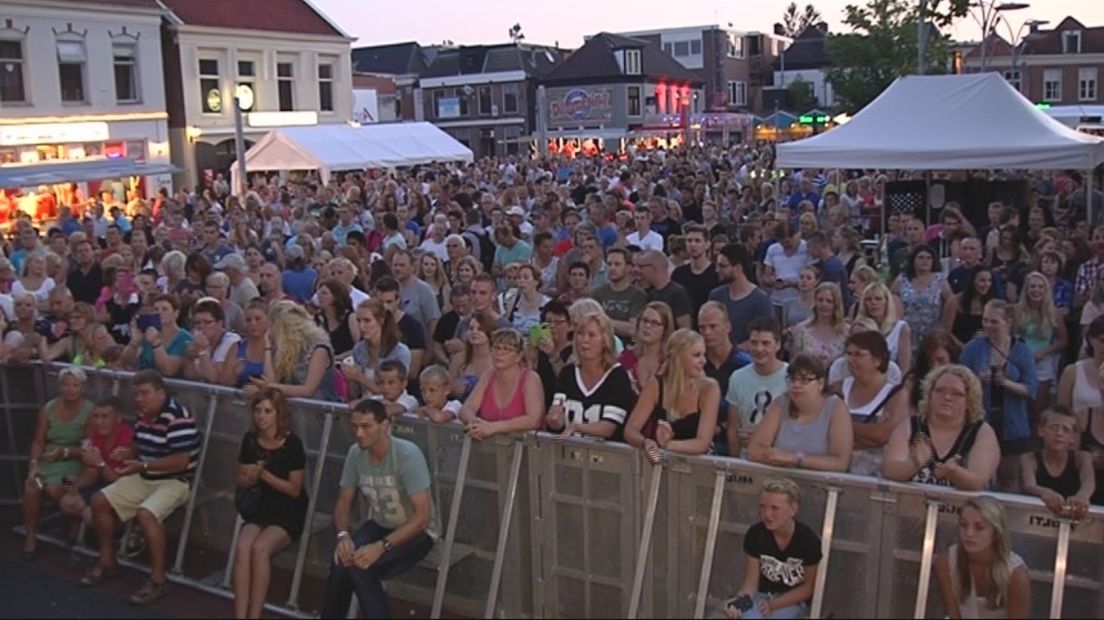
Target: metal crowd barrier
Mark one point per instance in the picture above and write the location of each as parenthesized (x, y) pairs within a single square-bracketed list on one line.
[(536, 527)]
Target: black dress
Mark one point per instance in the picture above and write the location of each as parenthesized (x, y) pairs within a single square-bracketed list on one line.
[(341, 337), (277, 508)]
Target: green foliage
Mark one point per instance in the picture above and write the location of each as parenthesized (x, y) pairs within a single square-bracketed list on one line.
[(794, 22), (882, 47), (799, 96)]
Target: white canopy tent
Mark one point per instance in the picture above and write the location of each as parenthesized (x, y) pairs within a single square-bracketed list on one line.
[(331, 148), (948, 122)]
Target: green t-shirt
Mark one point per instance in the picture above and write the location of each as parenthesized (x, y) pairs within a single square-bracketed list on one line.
[(388, 485), (177, 347)]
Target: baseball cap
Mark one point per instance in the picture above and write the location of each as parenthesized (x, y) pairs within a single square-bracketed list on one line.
[(231, 261), (516, 211)]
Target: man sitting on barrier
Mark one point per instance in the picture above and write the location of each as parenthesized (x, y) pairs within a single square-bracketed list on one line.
[(980, 576), (108, 442), (154, 483), (783, 556), (394, 478)]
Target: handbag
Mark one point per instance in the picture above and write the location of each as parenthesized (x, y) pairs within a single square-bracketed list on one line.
[(247, 501)]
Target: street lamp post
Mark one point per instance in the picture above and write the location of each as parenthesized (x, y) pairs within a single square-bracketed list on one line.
[(1019, 46), (243, 100), (990, 14)]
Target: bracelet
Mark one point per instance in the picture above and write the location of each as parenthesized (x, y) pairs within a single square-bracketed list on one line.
[(387, 546), (343, 534)]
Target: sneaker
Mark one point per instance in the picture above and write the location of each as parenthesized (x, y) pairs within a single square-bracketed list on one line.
[(148, 593), (135, 543)]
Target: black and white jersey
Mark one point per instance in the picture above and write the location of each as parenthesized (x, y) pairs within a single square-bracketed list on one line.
[(610, 400)]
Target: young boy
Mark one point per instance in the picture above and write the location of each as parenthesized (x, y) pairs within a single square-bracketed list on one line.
[(435, 393), (392, 383), (1059, 474)]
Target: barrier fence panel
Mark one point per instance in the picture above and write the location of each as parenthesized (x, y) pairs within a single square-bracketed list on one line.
[(584, 528), (586, 538)]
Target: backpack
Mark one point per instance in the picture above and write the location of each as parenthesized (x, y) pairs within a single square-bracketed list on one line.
[(486, 248)]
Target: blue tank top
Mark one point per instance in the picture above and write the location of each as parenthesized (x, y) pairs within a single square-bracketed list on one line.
[(250, 369)]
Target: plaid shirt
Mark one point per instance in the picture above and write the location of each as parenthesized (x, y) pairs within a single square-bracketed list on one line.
[(1087, 274)]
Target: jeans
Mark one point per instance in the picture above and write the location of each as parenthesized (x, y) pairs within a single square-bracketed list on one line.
[(368, 583), (793, 612)]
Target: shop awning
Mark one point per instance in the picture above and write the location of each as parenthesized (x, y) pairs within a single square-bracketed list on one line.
[(77, 171)]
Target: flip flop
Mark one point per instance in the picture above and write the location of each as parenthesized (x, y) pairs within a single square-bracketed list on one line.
[(148, 593), (95, 575)]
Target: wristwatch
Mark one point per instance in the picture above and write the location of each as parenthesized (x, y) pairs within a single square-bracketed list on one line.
[(343, 534), (386, 544)]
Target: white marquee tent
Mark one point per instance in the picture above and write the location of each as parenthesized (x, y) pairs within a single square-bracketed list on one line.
[(332, 148), (948, 122)]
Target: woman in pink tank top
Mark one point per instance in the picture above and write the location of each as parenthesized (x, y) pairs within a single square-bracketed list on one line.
[(510, 398)]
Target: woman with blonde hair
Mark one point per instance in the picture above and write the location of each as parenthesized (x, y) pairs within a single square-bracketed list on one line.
[(877, 305), (980, 576), (298, 355), (466, 270), (653, 327), (823, 333), (591, 394), (34, 280), (948, 442), (847, 242), (1043, 331), (862, 277), (86, 343), (677, 410), (432, 271)]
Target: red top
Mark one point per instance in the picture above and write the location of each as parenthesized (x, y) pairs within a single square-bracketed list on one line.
[(124, 436), (491, 411)]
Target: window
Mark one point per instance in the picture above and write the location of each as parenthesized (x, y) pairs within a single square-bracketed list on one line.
[(325, 88), (1052, 85), (210, 93), (510, 99), (71, 59), (634, 101), (126, 72), (285, 78), (1086, 84), (11, 72), (667, 49), (1071, 42), (247, 72), (735, 46), (1013, 78), (484, 100), (737, 93), (695, 47), (682, 49), (632, 62)]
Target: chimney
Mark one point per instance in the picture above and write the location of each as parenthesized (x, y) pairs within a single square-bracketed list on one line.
[(778, 29)]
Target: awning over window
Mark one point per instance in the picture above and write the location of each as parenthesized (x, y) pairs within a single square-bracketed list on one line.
[(77, 171)]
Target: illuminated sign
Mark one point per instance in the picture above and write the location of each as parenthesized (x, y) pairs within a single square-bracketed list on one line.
[(53, 133), (571, 106), (214, 100)]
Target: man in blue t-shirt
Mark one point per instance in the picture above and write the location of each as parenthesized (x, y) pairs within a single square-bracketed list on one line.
[(393, 476)]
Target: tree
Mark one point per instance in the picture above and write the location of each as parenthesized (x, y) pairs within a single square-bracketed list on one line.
[(516, 34), (795, 22), (799, 96), (882, 47)]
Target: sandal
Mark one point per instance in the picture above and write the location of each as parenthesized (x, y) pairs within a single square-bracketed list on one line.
[(95, 575), (148, 593)]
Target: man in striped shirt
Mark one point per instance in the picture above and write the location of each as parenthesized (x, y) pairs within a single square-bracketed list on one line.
[(153, 483)]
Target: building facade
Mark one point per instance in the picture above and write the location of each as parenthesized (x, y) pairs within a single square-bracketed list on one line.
[(734, 66), (1059, 66), (805, 60), (288, 63), (615, 87), (485, 95), (83, 81), (403, 64)]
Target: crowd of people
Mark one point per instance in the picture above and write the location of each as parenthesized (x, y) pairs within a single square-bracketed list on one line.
[(668, 300)]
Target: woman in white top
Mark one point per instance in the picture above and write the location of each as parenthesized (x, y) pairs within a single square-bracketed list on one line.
[(525, 311), (1079, 387), (35, 281), (876, 304), (876, 404), (980, 576)]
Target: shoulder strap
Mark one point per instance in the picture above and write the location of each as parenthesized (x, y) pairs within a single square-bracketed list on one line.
[(873, 415)]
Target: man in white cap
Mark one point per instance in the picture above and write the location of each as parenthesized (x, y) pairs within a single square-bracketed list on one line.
[(517, 218), (242, 288)]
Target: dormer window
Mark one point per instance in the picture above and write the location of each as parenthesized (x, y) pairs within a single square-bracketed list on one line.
[(632, 62), (1071, 42)]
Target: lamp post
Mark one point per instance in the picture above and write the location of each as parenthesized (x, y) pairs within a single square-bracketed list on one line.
[(243, 100), (1019, 46), (990, 14)]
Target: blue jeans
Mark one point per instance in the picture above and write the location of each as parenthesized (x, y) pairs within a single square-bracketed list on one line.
[(368, 583), (793, 612)]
